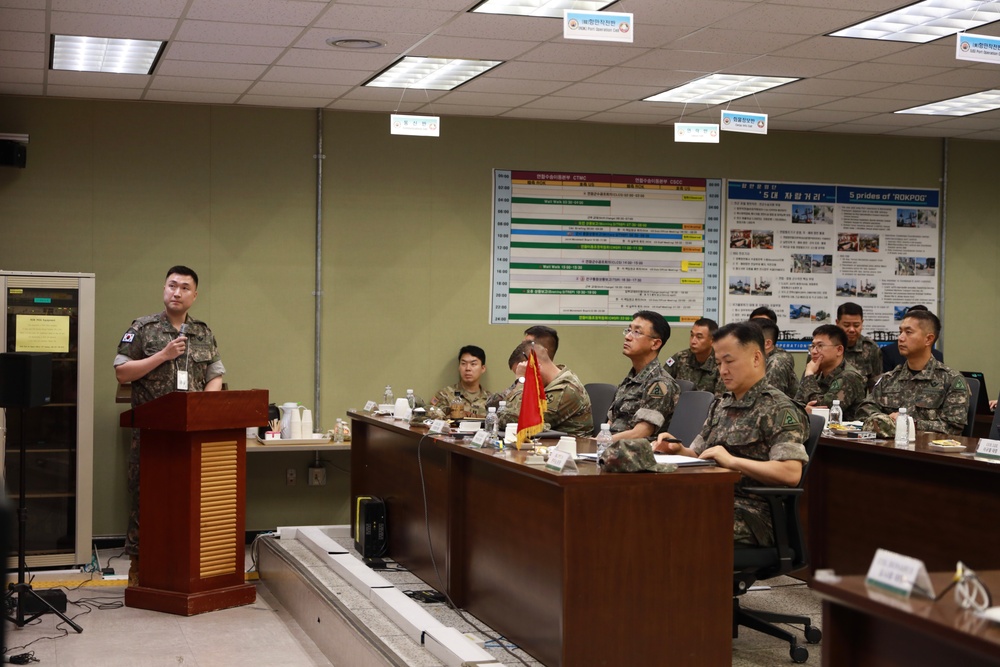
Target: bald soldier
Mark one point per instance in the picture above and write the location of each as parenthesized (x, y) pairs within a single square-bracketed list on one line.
[(753, 429)]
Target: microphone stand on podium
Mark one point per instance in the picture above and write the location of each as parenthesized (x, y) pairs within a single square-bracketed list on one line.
[(26, 382)]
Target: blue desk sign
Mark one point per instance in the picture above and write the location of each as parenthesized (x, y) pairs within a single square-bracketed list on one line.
[(696, 133), (597, 26), (415, 126), (981, 48), (743, 121)]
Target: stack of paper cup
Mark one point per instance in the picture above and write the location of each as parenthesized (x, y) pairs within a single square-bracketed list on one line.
[(567, 444)]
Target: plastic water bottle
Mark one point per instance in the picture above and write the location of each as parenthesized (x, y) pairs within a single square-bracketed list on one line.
[(503, 404), (902, 430), (491, 424), (411, 399), (836, 414), (338, 431), (603, 441), (387, 397)]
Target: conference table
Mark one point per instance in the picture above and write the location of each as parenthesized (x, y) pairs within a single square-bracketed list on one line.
[(938, 507), (576, 569), (866, 627)]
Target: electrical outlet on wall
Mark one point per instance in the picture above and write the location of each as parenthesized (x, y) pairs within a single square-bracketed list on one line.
[(317, 475), (290, 476)]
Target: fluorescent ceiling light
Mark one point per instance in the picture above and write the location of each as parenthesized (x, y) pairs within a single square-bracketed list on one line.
[(719, 88), (103, 54), (430, 73), (550, 8), (925, 21), (988, 100)]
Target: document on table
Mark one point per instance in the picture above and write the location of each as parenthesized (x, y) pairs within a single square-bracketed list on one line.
[(683, 461)]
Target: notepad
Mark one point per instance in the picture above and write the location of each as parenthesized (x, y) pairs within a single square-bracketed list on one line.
[(682, 461)]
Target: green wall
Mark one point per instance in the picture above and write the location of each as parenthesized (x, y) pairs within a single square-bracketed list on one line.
[(125, 189)]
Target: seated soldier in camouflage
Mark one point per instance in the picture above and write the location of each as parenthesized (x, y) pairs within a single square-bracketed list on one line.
[(471, 366), (545, 336), (780, 363), (568, 404), (934, 395), (645, 400), (753, 429), (697, 364), (828, 376)]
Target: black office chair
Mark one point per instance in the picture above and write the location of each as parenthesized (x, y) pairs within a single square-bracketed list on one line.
[(601, 395), (686, 385), (689, 415), (995, 428), (974, 396), (787, 555)]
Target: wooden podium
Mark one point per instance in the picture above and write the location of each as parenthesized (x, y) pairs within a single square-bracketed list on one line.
[(192, 501)]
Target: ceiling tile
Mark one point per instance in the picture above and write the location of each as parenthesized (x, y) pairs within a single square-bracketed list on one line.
[(578, 103), (489, 84), (934, 54), (448, 5), (822, 86), (22, 41), (884, 72), (912, 93), (23, 4), (268, 12), (498, 26), (250, 34), (21, 88), (827, 116), (779, 98), (486, 99), (842, 48), (579, 54), (623, 118), (974, 78), (781, 66), (891, 120), (394, 95), (369, 60), (546, 71), (210, 70), (366, 18), (690, 61), (33, 59), (855, 128), (438, 109), (100, 25), (190, 97), (281, 89), (735, 41), (312, 75), (94, 92), (927, 132), (217, 53), (468, 47), (384, 106), (682, 12), (607, 91), (794, 20), (160, 8), (97, 79), (545, 114), (869, 104), (395, 42), (269, 101), (20, 75), (795, 125), (198, 85), (980, 121), (26, 20), (658, 78)]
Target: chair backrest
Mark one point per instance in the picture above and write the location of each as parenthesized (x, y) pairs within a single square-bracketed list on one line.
[(971, 422), (796, 536), (689, 415), (601, 395), (995, 428), (686, 385)]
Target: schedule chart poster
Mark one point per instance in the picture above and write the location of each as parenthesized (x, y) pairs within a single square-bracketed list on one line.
[(804, 249), (572, 248)]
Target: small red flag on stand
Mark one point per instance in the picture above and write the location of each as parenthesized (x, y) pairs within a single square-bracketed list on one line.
[(531, 418)]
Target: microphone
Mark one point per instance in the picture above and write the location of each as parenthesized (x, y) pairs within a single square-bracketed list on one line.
[(183, 327)]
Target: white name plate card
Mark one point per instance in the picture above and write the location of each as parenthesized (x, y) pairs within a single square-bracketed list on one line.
[(371, 406), (696, 133), (989, 450), (480, 437), (438, 426), (561, 462), (743, 121), (899, 574), (597, 26)]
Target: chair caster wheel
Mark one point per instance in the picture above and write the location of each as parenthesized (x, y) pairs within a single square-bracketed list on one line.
[(799, 654), (813, 635)]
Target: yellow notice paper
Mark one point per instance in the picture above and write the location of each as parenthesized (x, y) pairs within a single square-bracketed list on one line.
[(42, 333), (684, 266)]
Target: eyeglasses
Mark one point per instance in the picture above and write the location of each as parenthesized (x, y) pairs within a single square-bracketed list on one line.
[(637, 334), (820, 346)]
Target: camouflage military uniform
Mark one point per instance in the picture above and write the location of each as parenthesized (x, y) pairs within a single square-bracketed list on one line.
[(474, 402), (936, 397), (684, 366), (865, 357), (781, 371), (147, 336), (844, 383), (568, 406), (647, 396), (765, 425)]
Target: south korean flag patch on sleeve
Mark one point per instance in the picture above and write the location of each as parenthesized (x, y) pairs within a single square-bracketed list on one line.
[(128, 337)]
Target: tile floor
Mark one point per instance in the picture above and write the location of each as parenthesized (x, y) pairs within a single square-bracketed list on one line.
[(264, 634)]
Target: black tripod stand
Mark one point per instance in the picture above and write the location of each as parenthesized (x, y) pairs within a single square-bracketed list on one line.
[(22, 589)]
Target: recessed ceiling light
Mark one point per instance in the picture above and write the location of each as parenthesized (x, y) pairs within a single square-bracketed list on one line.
[(354, 43), (550, 8), (925, 21), (719, 88), (988, 100), (105, 54), (430, 73)]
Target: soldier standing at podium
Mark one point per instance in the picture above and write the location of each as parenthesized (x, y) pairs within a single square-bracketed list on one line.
[(161, 353)]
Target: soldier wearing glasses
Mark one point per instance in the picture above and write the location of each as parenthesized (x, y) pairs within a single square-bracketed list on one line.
[(828, 376), (645, 400)]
